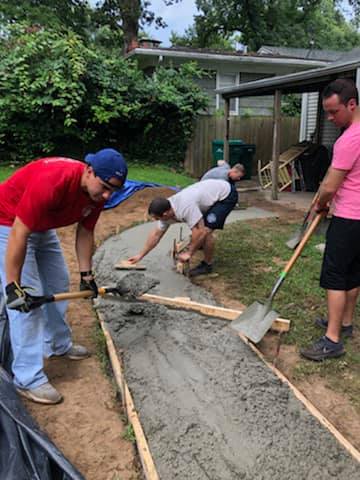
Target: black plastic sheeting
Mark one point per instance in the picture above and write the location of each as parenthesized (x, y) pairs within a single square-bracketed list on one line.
[(26, 453)]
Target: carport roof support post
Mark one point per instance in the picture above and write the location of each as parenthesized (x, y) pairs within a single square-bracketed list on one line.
[(227, 129), (276, 145)]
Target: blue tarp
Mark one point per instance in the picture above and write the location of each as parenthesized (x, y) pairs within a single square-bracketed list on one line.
[(129, 188)]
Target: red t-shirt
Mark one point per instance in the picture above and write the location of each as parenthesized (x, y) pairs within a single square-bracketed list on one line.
[(47, 194)]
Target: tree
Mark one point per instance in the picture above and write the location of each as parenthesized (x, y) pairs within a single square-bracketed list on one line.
[(57, 14), (292, 23), (132, 15), (193, 38), (60, 95)]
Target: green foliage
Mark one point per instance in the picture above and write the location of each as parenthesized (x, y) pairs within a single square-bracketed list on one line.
[(57, 14), (57, 93), (192, 37), (129, 434), (291, 105), (291, 23)]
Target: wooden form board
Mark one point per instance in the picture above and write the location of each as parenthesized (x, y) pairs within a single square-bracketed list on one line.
[(279, 325), (146, 459), (125, 265)]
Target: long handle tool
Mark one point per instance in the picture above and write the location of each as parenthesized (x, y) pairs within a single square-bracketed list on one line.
[(256, 320), (295, 239)]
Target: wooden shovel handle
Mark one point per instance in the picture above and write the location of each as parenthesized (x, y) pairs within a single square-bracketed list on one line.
[(74, 295), (303, 242)]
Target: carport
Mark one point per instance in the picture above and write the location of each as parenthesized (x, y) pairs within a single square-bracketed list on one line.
[(309, 81)]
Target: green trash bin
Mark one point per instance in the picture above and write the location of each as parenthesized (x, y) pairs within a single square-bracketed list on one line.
[(239, 152)]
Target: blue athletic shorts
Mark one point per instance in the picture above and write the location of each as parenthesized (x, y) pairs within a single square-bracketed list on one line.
[(215, 217), (341, 263)]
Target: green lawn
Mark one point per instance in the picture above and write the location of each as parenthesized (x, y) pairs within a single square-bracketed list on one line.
[(159, 174), (144, 173), (5, 172), (250, 256)]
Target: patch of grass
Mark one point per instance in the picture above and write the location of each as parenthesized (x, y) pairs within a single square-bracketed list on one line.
[(6, 171), (129, 434), (101, 349), (144, 173), (159, 174), (250, 257)]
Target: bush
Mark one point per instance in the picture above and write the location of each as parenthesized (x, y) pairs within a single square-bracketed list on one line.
[(59, 96)]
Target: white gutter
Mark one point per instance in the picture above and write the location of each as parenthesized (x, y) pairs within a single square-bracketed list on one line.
[(227, 58)]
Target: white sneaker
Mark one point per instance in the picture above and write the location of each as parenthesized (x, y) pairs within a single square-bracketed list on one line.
[(46, 393), (77, 352)]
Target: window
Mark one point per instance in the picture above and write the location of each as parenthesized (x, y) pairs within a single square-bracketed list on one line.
[(208, 85), (223, 81)]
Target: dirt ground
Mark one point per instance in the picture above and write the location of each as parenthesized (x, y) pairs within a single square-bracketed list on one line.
[(88, 426)]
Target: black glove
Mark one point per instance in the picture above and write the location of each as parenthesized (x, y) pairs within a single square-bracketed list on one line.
[(17, 298), (87, 282)]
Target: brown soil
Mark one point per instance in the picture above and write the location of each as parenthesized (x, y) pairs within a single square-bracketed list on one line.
[(88, 426)]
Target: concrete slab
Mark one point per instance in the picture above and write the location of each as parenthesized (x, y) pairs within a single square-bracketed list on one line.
[(209, 407)]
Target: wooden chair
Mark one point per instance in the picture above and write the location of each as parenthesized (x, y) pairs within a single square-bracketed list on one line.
[(287, 172)]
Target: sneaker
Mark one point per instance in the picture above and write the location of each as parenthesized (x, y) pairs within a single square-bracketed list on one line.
[(323, 349), (346, 331), (46, 394), (77, 352), (202, 269)]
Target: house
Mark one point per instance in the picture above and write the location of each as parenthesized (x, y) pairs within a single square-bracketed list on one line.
[(315, 126), (228, 69)]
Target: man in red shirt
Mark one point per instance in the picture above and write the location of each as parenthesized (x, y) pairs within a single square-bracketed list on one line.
[(44, 195)]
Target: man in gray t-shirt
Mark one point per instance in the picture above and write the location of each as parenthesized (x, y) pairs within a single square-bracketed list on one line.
[(204, 207), (225, 172)]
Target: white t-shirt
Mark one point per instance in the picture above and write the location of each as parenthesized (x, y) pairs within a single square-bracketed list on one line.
[(191, 203)]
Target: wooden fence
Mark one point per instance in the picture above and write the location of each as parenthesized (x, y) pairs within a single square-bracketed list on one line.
[(253, 130)]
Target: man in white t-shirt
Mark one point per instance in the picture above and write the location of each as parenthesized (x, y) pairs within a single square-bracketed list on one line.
[(204, 207)]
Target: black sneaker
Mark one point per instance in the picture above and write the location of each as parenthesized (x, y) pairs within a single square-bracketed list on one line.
[(346, 331), (323, 349), (202, 269)]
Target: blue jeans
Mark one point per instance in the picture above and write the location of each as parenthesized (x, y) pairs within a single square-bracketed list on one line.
[(43, 332)]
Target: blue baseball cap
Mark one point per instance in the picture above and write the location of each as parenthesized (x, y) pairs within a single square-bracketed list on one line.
[(108, 163)]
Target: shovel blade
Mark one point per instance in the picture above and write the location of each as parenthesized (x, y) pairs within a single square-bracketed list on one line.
[(255, 321), (294, 241)]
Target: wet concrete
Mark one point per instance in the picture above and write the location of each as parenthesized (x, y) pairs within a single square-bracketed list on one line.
[(209, 407)]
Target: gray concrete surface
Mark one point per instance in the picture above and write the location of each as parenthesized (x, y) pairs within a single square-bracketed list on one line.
[(209, 407)]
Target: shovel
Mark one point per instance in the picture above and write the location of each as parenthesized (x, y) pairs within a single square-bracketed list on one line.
[(294, 241), (38, 301), (256, 320)]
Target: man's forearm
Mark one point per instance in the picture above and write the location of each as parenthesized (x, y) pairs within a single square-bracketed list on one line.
[(198, 236), (84, 248), (16, 251), (151, 242), (330, 185)]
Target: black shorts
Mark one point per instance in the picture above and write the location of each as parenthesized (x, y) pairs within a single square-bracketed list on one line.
[(215, 217), (341, 263)]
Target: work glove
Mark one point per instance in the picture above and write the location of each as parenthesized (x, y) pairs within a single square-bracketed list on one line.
[(18, 298), (87, 282)]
